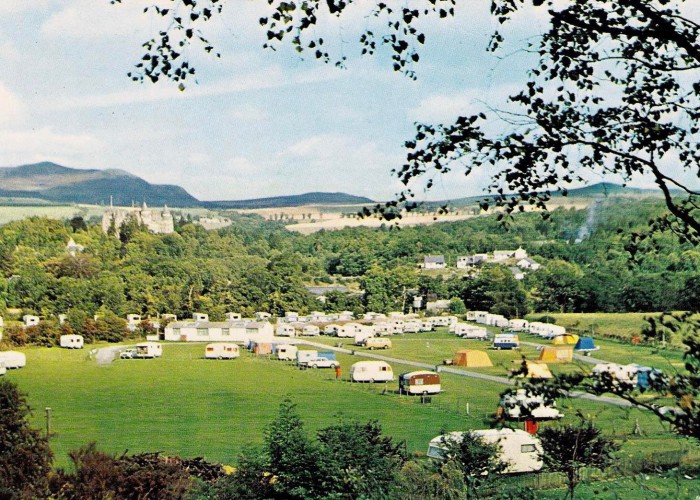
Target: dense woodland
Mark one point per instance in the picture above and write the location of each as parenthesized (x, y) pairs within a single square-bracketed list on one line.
[(257, 265)]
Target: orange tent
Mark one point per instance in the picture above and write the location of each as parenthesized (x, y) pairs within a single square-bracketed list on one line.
[(557, 354), (472, 358)]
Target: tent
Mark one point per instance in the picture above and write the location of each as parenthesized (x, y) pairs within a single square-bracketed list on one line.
[(262, 348), (565, 339), (556, 354), (585, 344), (471, 358), (535, 369)]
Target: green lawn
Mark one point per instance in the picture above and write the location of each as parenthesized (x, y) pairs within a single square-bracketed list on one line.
[(183, 404)]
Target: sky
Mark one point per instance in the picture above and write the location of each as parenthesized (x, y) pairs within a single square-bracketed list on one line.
[(257, 122)]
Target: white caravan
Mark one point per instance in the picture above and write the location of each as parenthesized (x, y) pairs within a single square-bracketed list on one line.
[(519, 325), (287, 352), (221, 351), (349, 330), (371, 371), (468, 331), (285, 331), (71, 341), (520, 451), (13, 359), (330, 329), (149, 350)]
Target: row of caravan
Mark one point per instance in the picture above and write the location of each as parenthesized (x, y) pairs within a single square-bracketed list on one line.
[(545, 330), (384, 326)]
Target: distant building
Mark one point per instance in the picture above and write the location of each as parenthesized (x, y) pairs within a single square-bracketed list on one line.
[(501, 255), (528, 263), (434, 262), (471, 260), (156, 221)]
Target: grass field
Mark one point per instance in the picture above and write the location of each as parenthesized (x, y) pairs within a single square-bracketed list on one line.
[(183, 404)]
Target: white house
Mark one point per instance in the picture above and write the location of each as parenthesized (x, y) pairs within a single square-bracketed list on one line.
[(528, 263), (434, 262), (468, 261), (219, 331), (501, 255)]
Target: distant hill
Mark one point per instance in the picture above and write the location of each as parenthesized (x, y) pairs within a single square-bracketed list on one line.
[(52, 182), (291, 201), (47, 182), (598, 190)]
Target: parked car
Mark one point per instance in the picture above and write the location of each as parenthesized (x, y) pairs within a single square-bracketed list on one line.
[(129, 354), (322, 363)]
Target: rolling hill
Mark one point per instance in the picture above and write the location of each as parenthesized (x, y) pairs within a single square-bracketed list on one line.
[(291, 201), (47, 182), (51, 182)]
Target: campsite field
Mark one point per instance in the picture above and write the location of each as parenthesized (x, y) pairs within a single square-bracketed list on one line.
[(183, 404)]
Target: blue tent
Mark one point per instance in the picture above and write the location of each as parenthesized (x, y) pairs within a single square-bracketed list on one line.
[(585, 344), (644, 374)]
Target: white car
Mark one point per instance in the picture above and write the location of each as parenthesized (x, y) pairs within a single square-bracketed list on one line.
[(322, 363), (128, 354)]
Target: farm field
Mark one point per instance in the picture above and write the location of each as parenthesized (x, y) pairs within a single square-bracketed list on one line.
[(183, 404)]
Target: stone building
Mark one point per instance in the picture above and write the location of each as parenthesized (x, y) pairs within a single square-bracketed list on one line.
[(157, 221)]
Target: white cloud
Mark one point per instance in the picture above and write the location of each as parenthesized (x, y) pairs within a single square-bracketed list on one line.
[(18, 6), (442, 108), (11, 107), (263, 78), (90, 19), (249, 114), (22, 146)]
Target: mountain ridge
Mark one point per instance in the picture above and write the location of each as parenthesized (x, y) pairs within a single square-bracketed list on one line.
[(56, 183)]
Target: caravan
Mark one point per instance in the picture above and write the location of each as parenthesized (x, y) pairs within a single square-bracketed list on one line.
[(520, 451), (371, 371), (13, 359), (71, 341), (419, 382), (221, 351), (468, 331), (286, 352), (285, 331), (149, 350), (506, 341)]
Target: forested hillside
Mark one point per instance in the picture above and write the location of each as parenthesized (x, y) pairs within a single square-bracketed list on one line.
[(258, 265)]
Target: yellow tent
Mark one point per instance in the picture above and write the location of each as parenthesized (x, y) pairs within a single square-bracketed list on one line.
[(534, 369), (557, 354), (471, 358), (538, 370), (566, 339)]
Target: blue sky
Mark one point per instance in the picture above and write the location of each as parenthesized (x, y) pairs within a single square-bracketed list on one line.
[(258, 122)]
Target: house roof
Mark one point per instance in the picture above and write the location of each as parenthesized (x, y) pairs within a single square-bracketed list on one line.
[(435, 259)]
